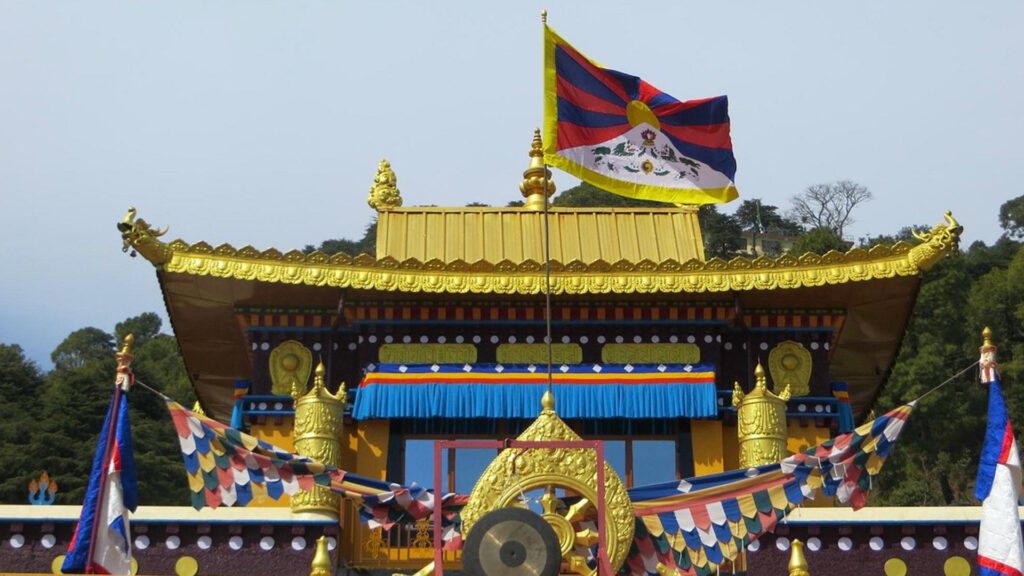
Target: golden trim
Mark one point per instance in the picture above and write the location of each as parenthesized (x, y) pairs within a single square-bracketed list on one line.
[(364, 272), (290, 365)]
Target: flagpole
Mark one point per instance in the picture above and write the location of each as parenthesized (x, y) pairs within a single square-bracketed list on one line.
[(547, 270), (121, 385)]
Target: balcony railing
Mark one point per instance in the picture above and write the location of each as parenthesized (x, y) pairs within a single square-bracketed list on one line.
[(403, 547)]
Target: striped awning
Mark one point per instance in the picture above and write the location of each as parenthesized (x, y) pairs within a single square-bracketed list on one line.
[(514, 391)]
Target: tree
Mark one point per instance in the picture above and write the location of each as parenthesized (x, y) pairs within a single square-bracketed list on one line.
[(829, 205), (755, 215), (365, 245), (587, 195), (818, 241), (20, 384), (81, 347), (721, 232), (143, 328), (1011, 217)]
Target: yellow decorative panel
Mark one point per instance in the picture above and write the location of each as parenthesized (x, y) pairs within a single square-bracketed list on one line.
[(683, 353), (538, 354), (372, 449), (427, 353), (290, 365), (790, 365), (276, 431)]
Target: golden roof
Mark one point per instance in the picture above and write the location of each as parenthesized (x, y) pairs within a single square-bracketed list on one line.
[(499, 251), (516, 235)]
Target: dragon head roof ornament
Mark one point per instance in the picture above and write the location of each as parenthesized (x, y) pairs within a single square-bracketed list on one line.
[(139, 237), (941, 240)]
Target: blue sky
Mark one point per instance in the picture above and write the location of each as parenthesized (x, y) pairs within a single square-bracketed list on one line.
[(262, 122)]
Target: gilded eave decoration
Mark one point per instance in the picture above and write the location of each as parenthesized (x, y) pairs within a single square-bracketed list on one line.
[(527, 277)]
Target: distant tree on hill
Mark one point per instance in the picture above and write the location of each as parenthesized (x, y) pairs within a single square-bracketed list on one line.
[(829, 205), (755, 215), (818, 241), (722, 233), (365, 245), (1011, 217)]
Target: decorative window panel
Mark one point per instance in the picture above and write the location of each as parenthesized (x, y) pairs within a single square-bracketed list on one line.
[(427, 354)]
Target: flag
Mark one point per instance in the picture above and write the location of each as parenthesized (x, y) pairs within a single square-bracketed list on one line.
[(112, 550), (625, 136), (1000, 548), (227, 467), (695, 524)]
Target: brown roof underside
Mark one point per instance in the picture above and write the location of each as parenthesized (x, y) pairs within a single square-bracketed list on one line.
[(216, 350)]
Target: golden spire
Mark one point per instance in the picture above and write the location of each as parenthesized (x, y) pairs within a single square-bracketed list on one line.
[(321, 559), (797, 562), (543, 16), (547, 401), (534, 177), (197, 409), (760, 382), (986, 336), (318, 376), (384, 193)]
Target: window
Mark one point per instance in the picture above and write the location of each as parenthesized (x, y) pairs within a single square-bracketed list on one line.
[(460, 468)]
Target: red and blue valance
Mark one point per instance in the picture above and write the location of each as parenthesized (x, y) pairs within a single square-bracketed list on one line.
[(514, 391)]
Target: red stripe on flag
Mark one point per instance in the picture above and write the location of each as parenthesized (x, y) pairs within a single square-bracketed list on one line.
[(1004, 453), (711, 136), (675, 107), (997, 566)]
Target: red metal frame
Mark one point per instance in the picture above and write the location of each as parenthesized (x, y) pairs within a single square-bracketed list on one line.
[(604, 565)]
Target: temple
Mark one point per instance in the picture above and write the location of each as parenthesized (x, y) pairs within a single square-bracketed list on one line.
[(683, 366)]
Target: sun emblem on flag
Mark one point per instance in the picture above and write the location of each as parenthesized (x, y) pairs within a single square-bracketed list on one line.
[(647, 166), (648, 136)]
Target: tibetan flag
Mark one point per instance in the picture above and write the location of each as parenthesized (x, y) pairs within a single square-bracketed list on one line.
[(623, 135), (1000, 548), (112, 550)]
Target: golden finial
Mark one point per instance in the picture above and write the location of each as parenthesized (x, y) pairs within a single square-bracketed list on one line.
[(384, 194), (534, 177), (128, 341), (797, 561), (318, 376), (737, 394), (543, 16), (197, 409), (760, 382), (547, 401), (321, 559), (986, 336)]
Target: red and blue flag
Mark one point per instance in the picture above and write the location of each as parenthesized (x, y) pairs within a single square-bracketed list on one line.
[(115, 480), (1000, 547), (623, 135)]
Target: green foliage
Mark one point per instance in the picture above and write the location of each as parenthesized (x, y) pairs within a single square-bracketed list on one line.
[(721, 233), (365, 245), (936, 460), (1011, 217), (819, 241), (52, 422), (587, 195), (755, 215)]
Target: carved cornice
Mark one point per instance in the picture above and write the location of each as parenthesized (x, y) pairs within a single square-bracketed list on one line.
[(527, 277)]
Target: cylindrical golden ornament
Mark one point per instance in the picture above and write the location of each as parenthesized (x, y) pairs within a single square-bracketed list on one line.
[(761, 419), (317, 434)]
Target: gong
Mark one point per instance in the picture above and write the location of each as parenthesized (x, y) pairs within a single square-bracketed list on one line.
[(511, 542)]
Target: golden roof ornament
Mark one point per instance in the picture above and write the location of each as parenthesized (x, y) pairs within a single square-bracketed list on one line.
[(797, 561), (384, 194), (318, 428), (321, 565), (139, 237), (761, 421), (940, 241), (535, 177)]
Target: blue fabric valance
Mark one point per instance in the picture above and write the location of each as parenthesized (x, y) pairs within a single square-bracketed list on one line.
[(514, 391)]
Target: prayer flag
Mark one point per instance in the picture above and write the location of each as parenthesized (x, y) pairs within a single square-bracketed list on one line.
[(1000, 548), (111, 494)]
